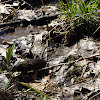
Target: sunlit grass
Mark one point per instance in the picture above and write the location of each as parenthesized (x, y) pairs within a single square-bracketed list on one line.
[(79, 9)]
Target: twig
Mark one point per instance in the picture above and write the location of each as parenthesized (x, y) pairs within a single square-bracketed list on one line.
[(60, 65), (9, 15), (84, 67), (43, 10), (6, 1), (93, 97), (96, 30)]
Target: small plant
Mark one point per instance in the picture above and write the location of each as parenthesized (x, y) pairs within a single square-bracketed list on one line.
[(6, 64), (42, 97), (79, 9), (9, 55), (82, 19), (7, 61)]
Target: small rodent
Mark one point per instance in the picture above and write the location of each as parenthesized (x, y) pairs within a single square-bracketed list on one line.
[(31, 64)]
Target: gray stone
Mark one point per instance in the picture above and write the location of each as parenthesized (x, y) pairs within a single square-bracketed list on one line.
[(3, 81)]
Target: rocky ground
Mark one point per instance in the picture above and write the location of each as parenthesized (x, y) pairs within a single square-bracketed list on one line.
[(72, 63)]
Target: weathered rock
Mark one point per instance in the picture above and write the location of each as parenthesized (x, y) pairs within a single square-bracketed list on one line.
[(3, 81)]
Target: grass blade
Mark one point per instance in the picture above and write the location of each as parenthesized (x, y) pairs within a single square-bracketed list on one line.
[(34, 89)]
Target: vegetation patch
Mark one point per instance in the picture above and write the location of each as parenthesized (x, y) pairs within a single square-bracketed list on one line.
[(82, 19)]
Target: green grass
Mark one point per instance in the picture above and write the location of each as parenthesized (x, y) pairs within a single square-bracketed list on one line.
[(8, 56), (7, 61), (79, 9), (81, 17), (45, 97)]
